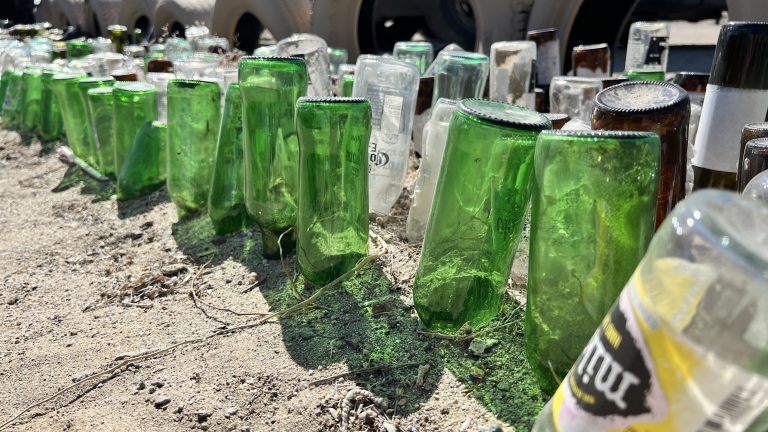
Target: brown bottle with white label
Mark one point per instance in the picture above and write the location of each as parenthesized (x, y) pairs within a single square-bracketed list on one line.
[(737, 94)]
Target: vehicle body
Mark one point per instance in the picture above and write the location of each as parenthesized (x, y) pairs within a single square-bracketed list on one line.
[(373, 26)]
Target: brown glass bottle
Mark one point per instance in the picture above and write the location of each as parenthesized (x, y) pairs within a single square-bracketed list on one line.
[(754, 161), (558, 119), (750, 132), (737, 94), (124, 75), (591, 60), (160, 65), (547, 59), (695, 83), (540, 96), (651, 106)]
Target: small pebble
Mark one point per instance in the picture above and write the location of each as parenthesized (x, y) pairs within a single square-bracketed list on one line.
[(202, 415), (141, 386), (490, 428), (162, 401)]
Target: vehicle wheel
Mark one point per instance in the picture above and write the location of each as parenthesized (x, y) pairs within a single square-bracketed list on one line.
[(183, 12), (246, 19)]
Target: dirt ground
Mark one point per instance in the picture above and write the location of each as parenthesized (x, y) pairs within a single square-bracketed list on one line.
[(88, 284)]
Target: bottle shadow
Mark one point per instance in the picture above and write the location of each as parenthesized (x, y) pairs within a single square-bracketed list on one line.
[(364, 324), (196, 238), (133, 207)]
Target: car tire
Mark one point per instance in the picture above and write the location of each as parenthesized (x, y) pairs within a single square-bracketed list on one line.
[(282, 18), (186, 12)]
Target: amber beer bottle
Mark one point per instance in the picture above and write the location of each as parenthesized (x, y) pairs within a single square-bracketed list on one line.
[(737, 94), (591, 60), (651, 106), (751, 131)]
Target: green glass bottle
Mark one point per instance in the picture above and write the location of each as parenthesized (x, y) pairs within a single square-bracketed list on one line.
[(194, 113), (593, 216), (51, 123), (332, 222), (78, 48), (347, 84), (134, 104), (64, 87), (83, 86), (420, 53), (270, 87), (12, 101), (143, 171), (32, 90), (100, 111), (226, 201), (5, 78), (478, 213)]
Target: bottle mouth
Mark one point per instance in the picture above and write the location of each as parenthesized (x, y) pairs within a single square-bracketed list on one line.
[(331, 100), (504, 114), (607, 134), (629, 97)]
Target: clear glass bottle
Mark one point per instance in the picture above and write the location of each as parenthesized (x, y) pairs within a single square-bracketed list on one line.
[(226, 201), (478, 214), (336, 58), (160, 81), (391, 86), (651, 106), (548, 63), (684, 346), (270, 87), (332, 222), (737, 94), (647, 51), (435, 138), (314, 51), (420, 53), (757, 188), (513, 73), (695, 84), (194, 116), (459, 75), (593, 211), (574, 96), (13, 100)]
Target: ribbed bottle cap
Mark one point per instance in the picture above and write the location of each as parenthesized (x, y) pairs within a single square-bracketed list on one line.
[(741, 56), (607, 134), (99, 79), (504, 114), (758, 126), (692, 81), (100, 90), (761, 143), (638, 97), (192, 83), (271, 58), (332, 100)]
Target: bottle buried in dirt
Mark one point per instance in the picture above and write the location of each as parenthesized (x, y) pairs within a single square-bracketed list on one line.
[(32, 89), (435, 138), (64, 87), (683, 348), (658, 107), (591, 60), (13, 100), (754, 162), (332, 222), (513, 73), (51, 123), (750, 132), (133, 105), (695, 84), (417, 52), (143, 171), (574, 96), (226, 201), (459, 75), (83, 86), (194, 114), (391, 86), (314, 51), (647, 51), (270, 87), (737, 94), (78, 49), (547, 59), (593, 209), (478, 214), (100, 112)]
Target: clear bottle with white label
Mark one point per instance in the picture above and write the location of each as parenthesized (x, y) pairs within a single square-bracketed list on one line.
[(684, 348), (391, 86), (737, 94), (647, 51), (435, 137)]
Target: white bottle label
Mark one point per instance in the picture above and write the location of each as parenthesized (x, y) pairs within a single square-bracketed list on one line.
[(726, 110)]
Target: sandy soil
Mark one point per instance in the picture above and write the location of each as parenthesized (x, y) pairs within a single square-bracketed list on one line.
[(86, 282)]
